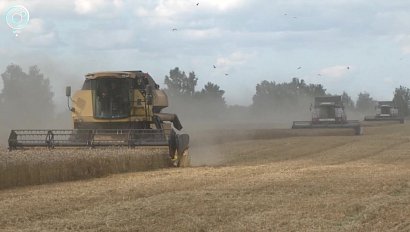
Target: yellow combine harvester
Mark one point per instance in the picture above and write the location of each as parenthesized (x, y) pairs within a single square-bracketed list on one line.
[(114, 109)]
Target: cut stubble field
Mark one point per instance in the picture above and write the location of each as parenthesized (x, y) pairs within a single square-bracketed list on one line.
[(303, 183)]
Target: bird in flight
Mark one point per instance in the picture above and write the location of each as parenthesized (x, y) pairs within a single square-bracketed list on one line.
[(214, 66), (174, 29), (348, 67), (226, 74), (197, 4), (299, 67)]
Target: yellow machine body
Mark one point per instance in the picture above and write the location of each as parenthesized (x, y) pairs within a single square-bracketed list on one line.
[(114, 109)]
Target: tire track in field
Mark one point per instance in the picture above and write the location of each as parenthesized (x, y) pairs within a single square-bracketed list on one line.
[(382, 150), (375, 152), (373, 206), (357, 150), (274, 150)]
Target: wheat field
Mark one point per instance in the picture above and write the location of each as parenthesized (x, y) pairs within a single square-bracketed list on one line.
[(302, 183), (39, 166)]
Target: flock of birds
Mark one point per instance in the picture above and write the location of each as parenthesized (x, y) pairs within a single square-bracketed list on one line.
[(227, 74), (176, 29), (319, 74)]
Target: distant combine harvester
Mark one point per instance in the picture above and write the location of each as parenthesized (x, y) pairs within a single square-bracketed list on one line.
[(328, 112), (385, 111)]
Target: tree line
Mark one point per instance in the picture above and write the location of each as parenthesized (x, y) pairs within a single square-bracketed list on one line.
[(270, 97), (27, 98)]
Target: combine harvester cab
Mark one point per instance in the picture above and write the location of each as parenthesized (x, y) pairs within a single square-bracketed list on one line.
[(328, 112), (386, 111), (114, 109)]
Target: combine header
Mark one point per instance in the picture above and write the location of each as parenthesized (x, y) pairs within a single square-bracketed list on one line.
[(328, 112), (385, 111), (114, 109)]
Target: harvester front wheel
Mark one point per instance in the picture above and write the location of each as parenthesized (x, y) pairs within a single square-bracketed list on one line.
[(184, 159), (181, 159), (178, 148), (358, 130)]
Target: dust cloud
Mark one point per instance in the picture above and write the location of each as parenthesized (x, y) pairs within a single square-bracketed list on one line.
[(27, 102), (210, 126), (208, 122)]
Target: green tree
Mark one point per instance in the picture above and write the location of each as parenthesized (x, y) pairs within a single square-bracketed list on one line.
[(179, 84), (26, 98), (212, 92), (401, 99), (365, 103), (347, 100), (272, 94), (210, 100), (190, 84)]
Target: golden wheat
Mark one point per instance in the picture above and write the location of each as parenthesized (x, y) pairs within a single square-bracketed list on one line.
[(38, 166), (326, 183)]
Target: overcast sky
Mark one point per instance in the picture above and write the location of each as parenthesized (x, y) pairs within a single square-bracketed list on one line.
[(251, 40)]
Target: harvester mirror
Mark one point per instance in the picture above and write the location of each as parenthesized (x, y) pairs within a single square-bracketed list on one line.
[(149, 95), (149, 99), (68, 91), (149, 89), (139, 83)]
